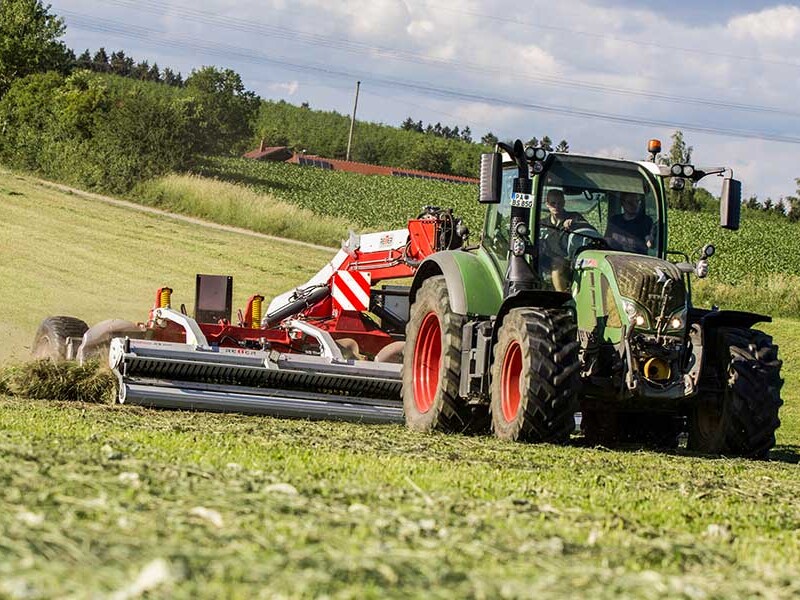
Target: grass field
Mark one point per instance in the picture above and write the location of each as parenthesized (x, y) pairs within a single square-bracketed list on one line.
[(105, 501), (63, 254)]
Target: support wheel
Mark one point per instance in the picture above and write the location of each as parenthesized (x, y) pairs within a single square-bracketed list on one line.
[(741, 418), (52, 337), (535, 376), (432, 363)]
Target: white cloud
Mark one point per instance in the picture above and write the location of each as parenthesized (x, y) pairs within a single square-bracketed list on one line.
[(420, 28), (287, 87), (540, 61), (781, 23)]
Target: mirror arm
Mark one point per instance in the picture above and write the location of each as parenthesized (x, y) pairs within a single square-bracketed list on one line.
[(699, 172)]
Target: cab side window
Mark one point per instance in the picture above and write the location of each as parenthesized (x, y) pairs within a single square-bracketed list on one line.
[(498, 222)]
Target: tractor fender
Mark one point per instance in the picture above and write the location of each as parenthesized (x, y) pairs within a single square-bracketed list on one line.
[(713, 319), (472, 285)]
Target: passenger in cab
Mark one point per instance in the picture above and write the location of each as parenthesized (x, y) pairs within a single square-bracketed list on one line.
[(631, 230)]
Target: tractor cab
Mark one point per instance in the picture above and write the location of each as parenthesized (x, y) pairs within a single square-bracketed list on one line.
[(580, 203)]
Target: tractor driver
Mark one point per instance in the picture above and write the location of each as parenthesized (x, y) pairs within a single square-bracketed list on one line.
[(632, 230), (554, 237)]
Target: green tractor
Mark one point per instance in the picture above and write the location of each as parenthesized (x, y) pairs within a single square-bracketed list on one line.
[(573, 305)]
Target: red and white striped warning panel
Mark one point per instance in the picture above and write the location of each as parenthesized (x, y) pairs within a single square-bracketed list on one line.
[(350, 290)]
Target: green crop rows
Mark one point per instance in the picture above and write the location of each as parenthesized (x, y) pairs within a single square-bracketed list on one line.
[(372, 201), (763, 245)]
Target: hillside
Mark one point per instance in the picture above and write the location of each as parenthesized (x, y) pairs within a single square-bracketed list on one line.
[(325, 133)]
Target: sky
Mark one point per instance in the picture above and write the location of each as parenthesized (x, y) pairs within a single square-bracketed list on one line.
[(606, 75)]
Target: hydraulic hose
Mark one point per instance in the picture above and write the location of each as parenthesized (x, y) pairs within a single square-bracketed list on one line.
[(296, 306)]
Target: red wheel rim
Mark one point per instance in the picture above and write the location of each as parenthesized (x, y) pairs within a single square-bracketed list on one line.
[(510, 396), (427, 362)]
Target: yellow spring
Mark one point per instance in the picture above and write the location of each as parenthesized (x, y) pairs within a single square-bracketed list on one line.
[(256, 311), (166, 298)]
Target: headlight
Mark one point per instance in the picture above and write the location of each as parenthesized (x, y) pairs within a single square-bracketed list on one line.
[(630, 309), (676, 323), (638, 320), (688, 170), (677, 170)]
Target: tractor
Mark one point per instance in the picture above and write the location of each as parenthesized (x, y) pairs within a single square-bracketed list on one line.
[(573, 306)]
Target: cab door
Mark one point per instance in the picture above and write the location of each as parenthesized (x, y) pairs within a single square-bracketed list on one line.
[(497, 225)]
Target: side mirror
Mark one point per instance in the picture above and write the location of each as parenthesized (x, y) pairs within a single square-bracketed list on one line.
[(730, 204), (491, 178)]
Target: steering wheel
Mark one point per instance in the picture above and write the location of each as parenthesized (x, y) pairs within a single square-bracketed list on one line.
[(585, 237), (560, 235)]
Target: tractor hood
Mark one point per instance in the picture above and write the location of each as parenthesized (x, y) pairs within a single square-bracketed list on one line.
[(643, 292)]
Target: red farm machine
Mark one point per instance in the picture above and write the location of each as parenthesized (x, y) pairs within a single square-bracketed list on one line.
[(316, 351)]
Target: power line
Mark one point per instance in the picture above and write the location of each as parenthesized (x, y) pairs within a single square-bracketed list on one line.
[(296, 36), (228, 52)]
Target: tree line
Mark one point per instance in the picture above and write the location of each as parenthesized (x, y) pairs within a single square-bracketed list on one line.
[(125, 66), (444, 131), (788, 206)]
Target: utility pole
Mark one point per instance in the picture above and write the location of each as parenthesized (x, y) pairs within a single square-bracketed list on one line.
[(353, 121)]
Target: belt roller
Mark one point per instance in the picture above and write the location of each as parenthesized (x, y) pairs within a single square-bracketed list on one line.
[(173, 375)]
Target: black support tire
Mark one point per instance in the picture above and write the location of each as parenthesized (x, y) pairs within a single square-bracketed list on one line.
[(740, 418), (535, 376), (432, 363), (50, 342)]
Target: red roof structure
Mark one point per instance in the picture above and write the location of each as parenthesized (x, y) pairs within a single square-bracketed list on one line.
[(273, 153), (283, 154)]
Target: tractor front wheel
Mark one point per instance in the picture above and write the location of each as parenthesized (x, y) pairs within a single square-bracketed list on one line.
[(432, 363), (740, 418), (534, 392), (52, 337)]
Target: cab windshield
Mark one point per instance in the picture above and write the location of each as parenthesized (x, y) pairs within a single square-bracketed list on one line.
[(586, 201)]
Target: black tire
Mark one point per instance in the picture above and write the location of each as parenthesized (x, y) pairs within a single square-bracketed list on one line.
[(50, 342), (432, 363), (741, 419), (535, 376), (612, 428)]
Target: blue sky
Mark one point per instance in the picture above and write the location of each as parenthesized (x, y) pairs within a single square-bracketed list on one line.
[(605, 75)]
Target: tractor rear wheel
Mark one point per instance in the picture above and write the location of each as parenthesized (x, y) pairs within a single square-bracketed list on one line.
[(52, 337), (741, 418), (432, 363), (535, 376)]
